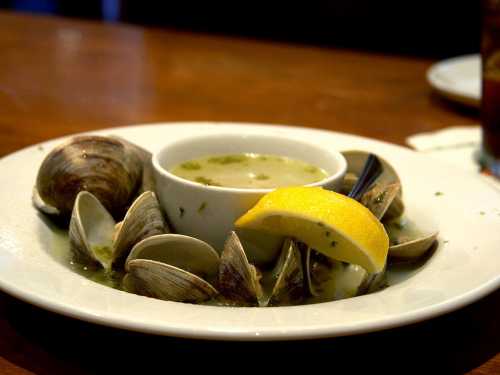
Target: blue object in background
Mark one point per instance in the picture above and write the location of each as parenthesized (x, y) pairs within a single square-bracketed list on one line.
[(110, 10), (35, 6)]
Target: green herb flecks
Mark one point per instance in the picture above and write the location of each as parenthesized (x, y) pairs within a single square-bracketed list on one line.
[(191, 166), (438, 193), (327, 234), (333, 243), (311, 169), (206, 181), (482, 213), (228, 159), (380, 198), (262, 176), (202, 207), (182, 211)]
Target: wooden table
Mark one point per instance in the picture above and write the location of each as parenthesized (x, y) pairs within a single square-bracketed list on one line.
[(59, 77)]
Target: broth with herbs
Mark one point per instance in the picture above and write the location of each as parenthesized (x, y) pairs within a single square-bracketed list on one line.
[(249, 170)]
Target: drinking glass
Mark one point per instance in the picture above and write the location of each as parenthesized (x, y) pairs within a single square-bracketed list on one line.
[(490, 100)]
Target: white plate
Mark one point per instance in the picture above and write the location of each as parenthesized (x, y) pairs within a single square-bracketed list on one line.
[(458, 79), (462, 270)]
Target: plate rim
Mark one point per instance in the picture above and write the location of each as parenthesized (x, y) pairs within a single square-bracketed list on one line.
[(463, 97)]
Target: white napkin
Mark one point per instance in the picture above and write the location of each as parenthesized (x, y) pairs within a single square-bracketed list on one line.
[(458, 146)]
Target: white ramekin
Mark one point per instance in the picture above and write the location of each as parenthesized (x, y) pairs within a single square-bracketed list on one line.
[(208, 212)]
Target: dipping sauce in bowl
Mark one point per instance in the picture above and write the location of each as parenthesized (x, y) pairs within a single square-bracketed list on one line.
[(204, 182), (249, 171)]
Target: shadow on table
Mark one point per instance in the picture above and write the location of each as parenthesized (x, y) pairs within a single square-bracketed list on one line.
[(46, 343), (449, 105)]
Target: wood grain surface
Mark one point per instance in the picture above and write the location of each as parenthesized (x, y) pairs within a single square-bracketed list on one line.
[(60, 76)]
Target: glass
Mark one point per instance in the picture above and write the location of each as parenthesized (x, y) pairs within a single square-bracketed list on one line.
[(490, 101)]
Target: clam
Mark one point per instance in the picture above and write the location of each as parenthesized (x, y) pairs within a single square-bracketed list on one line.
[(379, 198), (330, 280), (413, 248), (103, 166), (372, 281), (92, 233), (187, 253), (238, 280), (355, 163), (148, 179), (407, 240), (348, 183), (395, 209), (289, 286), (163, 281), (143, 219), (172, 267)]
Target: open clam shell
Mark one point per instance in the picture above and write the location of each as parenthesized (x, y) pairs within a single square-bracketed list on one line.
[(289, 286), (356, 160), (395, 209), (379, 198), (143, 219), (91, 231), (355, 163), (164, 281), (238, 281), (330, 280), (184, 252), (103, 166), (372, 281)]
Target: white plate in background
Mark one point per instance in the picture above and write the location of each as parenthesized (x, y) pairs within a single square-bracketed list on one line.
[(464, 268), (458, 79)]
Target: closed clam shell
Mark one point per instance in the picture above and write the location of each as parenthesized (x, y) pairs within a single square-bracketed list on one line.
[(103, 166), (414, 248), (164, 281), (184, 252), (148, 178)]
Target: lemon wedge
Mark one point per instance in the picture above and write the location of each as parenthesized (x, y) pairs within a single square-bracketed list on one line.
[(331, 223)]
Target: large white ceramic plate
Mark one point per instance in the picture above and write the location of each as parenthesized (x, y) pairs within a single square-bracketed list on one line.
[(465, 267), (458, 79)]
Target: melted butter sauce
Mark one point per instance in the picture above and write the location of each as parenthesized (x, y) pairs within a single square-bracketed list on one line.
[(62, 253)]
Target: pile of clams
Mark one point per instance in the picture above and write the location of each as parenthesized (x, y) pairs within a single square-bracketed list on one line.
[(104, 188)]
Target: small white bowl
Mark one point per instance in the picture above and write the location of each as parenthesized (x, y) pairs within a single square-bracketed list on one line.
[(208, 212)]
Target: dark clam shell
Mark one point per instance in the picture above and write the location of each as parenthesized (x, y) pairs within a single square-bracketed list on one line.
[(103, 166)]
